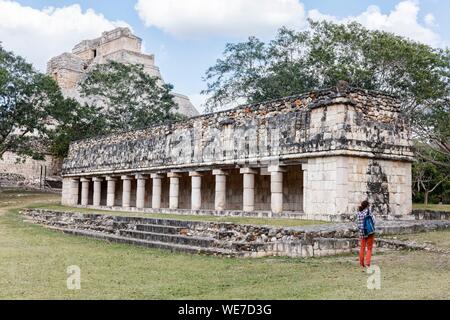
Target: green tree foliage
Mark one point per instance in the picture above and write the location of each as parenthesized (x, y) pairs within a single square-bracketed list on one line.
[(35, 117), (30, 105), (431, 182), (75, 122), (129, 97), (295, 62)]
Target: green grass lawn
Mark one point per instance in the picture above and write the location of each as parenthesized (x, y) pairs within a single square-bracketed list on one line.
[(14, 197), (33, 262), (433, 207)]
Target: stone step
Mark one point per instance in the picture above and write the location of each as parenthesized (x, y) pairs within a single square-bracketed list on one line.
[(174, 247), (156, 228), (411, 227), (63, 224), (169, 238), (158, 221), (46, 222)]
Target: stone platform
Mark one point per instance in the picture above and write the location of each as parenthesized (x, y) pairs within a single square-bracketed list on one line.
[(431, 215), (228, 239)]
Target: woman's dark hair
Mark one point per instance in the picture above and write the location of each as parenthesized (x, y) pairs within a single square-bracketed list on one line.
[(363, 205)]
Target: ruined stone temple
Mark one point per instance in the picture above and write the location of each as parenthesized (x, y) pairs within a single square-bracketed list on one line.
[(312, 156), (69, 69)]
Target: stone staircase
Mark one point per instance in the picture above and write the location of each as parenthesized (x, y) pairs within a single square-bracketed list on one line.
[(164, 234), (224, 239), (156, 243)]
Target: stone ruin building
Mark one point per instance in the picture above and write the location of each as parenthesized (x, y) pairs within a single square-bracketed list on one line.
[(312, 156), (120, 45), (68, 69)]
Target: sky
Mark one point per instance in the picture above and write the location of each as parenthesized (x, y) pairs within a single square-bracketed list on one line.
[(188, 36)]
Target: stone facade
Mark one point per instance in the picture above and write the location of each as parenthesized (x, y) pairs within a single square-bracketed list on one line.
[(24, 171), (120, 45), (317, 155)]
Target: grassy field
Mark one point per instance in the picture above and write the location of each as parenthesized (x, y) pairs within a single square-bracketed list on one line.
[(33, 263), (433, 207), (12, 198)]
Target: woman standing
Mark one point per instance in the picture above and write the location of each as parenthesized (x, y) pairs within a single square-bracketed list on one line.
[(366, 228)]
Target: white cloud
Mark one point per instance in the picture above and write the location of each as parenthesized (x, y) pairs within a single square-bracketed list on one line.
[(430, 20), (403, 20), (38, 35), (186, 18)]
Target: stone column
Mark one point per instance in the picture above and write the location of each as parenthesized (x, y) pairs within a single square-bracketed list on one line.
[(156, 192), (111, 191), (84, 191), (74, 190), (249, 189), (220, 201), (97, 191), (174, 189), (196, 192), (276, 188), (140, 191), (305, 188), (126, 194)]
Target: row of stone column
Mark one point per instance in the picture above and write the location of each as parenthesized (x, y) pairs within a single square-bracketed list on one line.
[(276, 187)]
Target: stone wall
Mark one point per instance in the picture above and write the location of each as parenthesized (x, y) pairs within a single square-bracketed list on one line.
[(323, 123), (339, 184), (16, 170), (431, 215)]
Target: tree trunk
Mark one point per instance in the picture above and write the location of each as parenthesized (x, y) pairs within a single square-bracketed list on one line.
[(426, 197)]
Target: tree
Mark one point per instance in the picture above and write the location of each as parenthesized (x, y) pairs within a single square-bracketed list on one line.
[(27, 106), (35, 117), (129, 97), (296, 62), (81, 122), (433, 124), (429, 178), (37, 120)]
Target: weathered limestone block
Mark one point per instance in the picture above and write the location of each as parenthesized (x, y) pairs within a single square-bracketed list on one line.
[(276, 188), (174, 189), (140, 192), (358, 179), (85, 191), (156, 191), (196, 192), (111, 191), (249, 189), (220, 190), (97, 190), (126, 191)]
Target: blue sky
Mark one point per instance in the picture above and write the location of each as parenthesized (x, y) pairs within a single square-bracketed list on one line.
[(187, 36)]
